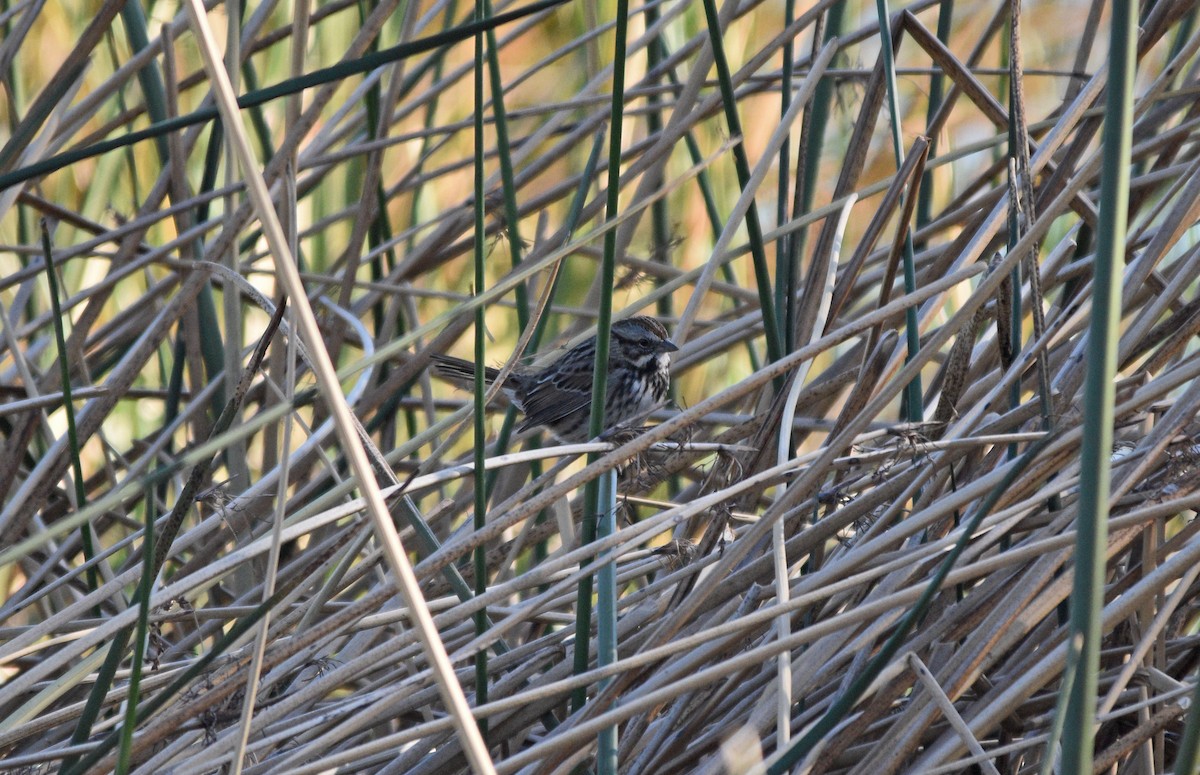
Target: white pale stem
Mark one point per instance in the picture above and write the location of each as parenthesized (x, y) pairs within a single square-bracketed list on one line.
[(783, 708)]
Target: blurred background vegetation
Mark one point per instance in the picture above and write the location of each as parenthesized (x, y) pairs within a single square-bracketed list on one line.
[(888, 411)]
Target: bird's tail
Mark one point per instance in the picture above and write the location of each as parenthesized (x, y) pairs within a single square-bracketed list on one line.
[(461, 372)]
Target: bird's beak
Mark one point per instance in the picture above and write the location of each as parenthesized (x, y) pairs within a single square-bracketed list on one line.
[(668, 346)]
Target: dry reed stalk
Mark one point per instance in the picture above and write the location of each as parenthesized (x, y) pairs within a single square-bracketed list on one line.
[(377, 169)]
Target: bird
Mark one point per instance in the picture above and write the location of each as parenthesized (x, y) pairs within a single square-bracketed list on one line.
[(558, 397), (675, 554)]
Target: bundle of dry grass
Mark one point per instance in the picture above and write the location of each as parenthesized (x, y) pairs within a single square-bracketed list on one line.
[(849, 540)]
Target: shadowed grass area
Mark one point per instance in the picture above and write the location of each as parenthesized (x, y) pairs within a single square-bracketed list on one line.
[(795, 568)]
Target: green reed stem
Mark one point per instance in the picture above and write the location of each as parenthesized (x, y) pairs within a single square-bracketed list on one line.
[(591, 491), (812, 144), (1087, 595), (480, 554), (512, 215), (86, 539), (606, 615), (1188, 758), (133, 693), (937, 93), (785, 270), (758, 253), (914, 404)]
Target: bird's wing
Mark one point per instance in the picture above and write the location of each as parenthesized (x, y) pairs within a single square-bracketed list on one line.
[(551, 399)]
